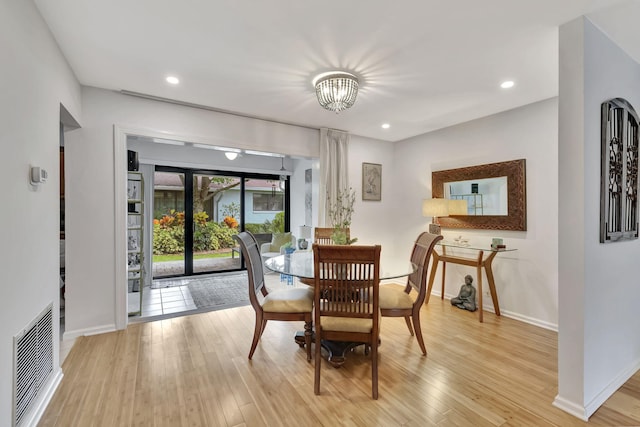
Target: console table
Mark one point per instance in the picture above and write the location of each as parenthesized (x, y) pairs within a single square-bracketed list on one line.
[(479, 262)]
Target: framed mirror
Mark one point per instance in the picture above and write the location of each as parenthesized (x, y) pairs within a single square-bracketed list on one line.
[(495, 195)]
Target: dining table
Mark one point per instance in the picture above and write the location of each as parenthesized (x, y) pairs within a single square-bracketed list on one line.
[(300, 264)]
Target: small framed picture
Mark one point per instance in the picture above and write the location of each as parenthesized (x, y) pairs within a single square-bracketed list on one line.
[(133, 240), (371, 181), (133, 190), (133, 262)]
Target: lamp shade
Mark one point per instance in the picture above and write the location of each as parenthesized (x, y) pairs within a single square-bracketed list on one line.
[(435, 207), (458, 207), (304, 232)]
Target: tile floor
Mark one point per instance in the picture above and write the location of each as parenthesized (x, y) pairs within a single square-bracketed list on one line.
[(174, 296), (167, 300)]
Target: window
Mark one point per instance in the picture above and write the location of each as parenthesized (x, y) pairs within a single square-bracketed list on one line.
[(267, 202)]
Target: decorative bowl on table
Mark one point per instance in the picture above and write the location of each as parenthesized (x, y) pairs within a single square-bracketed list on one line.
[(462, 241)]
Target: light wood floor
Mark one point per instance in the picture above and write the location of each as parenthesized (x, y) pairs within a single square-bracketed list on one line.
[(193, 371)]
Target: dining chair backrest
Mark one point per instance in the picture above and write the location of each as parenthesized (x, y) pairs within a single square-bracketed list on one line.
[(255, 269), (344, 279), (395, 302), (322, 235), (346, 299), (422, 250), (284, 304)]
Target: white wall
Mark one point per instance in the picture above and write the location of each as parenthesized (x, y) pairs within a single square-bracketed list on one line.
[(599, 346), (374, 222), (526, 280), (35, 81)]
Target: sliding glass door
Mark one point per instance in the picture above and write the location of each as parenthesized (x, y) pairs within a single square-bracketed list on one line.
[(216, 218), (197, 212), (168, 224)]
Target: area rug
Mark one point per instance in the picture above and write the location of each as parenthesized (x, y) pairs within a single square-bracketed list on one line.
[(220, 291)]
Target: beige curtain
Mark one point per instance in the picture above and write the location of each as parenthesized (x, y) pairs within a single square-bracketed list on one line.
[(334, 170)]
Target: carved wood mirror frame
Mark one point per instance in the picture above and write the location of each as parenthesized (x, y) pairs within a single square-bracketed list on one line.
[(516, 218)]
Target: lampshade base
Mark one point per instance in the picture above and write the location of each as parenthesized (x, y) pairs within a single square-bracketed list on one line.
[(434, 228), (303, 244)]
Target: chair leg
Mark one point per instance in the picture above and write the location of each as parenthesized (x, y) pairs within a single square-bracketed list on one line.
[(307, 338), (406, 319), (318, 361), (374, 369), (418, 329), (257, 333)]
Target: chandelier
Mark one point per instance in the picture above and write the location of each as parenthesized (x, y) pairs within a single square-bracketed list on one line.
[(336, 90)]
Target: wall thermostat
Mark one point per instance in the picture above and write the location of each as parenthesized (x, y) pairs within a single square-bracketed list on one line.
[(38, 175)]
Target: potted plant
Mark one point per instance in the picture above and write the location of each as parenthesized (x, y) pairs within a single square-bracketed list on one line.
[(340, 211)]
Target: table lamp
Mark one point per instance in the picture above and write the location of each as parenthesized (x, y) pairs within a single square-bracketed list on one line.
[(435, 208), (304, 234)]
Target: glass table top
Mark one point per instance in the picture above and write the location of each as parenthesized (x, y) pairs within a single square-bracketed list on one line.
[(300, 264), (474, 246)]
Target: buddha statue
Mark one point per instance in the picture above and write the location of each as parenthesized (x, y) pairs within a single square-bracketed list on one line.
[(466, 298)]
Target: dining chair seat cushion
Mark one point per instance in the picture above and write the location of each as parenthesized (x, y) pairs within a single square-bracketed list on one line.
[(297, 300), (347, 324), (394, 297)]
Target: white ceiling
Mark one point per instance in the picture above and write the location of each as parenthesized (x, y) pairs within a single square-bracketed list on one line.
[(423, 64)]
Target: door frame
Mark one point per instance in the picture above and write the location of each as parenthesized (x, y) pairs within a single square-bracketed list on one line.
[(120, 133)]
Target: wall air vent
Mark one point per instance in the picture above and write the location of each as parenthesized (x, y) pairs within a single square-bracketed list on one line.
[(33, 362)]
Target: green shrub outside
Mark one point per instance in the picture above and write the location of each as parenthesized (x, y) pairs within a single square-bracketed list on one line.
[(168, 233), (256, 228), (167, 240), (275, 226)]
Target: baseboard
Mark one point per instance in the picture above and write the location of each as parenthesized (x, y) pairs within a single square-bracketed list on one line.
[(33, 417), (571, 408), (585, 412), (611, 388), (530, 320), (511, 315), (70, 335)]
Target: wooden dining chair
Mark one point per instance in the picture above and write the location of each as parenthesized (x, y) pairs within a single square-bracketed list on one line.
[(322, 236), (395, 302), (294, 304), (346, 282)]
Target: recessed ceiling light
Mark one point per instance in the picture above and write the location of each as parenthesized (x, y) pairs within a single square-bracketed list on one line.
[(507, 84), (231, 155), (173, 80), (386, 126)]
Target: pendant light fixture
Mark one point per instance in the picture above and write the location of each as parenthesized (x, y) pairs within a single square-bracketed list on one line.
[(336, 90)]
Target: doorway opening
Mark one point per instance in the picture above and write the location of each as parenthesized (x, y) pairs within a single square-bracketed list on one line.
[(195, 213)]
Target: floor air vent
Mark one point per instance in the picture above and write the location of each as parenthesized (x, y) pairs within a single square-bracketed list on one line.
[(33, 362)]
